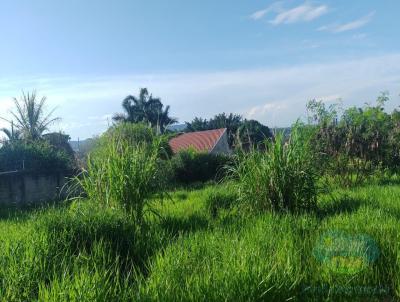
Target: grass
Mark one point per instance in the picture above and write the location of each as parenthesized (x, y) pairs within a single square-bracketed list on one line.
[(280, 178), (348, 250)]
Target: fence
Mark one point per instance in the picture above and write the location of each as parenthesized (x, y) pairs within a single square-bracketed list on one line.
[(23, 188), (23, 165)]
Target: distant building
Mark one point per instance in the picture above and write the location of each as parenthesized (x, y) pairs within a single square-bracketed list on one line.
[(210, 141)]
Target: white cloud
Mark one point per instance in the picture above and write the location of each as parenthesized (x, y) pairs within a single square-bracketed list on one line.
[(275, 97), (303, 13), (259, 14), (342, 27), (274, 7)]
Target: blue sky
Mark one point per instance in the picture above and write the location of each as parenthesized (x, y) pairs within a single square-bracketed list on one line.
[(262, 59)]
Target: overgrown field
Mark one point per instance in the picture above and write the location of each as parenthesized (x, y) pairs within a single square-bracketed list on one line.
[(201, 247)]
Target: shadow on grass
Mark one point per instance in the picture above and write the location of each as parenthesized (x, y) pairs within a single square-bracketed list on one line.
[(343, 204), (25, 211), (175, 226), (394, 181)]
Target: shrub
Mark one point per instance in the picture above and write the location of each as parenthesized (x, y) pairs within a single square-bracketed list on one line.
[(190, 166), (37, 155), (353, 144), (280, 178), (135, 134)]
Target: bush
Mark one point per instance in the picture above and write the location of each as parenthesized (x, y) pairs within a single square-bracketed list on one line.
[(281, 178), (190, 166), (352, 145), (37, 155), (136, 134)]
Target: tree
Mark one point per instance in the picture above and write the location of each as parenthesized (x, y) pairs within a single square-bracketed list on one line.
[(253, 134), (198, 124), (60, 141), (240, 132), (12, 134), (31, 119), (354, 145), (145, 109), (231, 122)]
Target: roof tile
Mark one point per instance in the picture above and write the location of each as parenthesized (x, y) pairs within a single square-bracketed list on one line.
[(202, 141)]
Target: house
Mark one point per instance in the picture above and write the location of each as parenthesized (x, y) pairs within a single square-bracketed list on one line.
[(210, 141)]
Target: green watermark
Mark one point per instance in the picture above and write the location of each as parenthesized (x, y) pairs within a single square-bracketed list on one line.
[(344, 253)]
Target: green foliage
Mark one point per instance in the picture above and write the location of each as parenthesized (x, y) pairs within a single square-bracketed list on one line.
[(190, 166), (12, 134), (30, 117), (282, 178), (36, 155), (145, 109), (137, 133), (354, 145), (241, 133), (252, 134), (60, 141), (123, 171)]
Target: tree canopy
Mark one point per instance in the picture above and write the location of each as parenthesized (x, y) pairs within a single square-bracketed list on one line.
[(145, 109), (355, 142), (30, 117), (241, 132)]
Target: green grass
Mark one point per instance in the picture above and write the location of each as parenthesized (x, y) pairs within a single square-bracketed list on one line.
[(347, 250), (280, 178)]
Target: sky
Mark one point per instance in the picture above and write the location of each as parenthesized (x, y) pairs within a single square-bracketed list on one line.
[(261, 59)]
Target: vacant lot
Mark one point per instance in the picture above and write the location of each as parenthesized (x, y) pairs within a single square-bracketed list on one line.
[(199, 246)]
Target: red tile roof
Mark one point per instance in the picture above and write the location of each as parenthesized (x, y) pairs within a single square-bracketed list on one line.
[(202, 141)]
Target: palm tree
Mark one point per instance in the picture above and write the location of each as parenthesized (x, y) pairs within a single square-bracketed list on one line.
[(165, 120), (145, 109), (12, 134), (30, 116)]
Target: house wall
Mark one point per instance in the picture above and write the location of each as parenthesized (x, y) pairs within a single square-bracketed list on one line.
[(22, 188), (222, 146)]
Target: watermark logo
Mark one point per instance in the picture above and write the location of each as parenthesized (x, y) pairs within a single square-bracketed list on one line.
[(344, 253)]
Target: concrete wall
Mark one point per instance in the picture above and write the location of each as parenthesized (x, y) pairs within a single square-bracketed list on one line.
[(23, 188), (222, 146)]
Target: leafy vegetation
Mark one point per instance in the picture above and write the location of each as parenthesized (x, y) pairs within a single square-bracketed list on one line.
[(30, 117), (12, 134), (242, 133), (123, 171), (27, 147), (355, 143), (190, 166), (145, 109), (282, 178), (34, 156), (257, 227)]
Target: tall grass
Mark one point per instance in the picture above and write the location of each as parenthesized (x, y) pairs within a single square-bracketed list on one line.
[(280, 178), (85, 253), (122, 173), (276, 257)]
